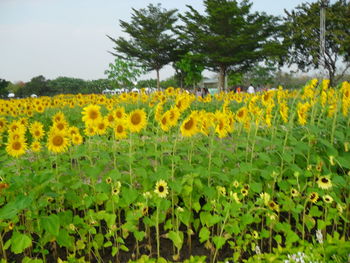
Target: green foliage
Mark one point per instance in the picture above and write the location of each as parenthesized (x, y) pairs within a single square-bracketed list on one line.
[(302, 36), (123, 73), (3, 88), (191, 68), (224, 35), (151, 43)]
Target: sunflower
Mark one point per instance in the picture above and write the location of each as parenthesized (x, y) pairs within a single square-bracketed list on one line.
[(37, 130), (189, 126), (242, 115), (221, 190), (244, 192), (161, 189), (120, 130), (77, 139), (255, 234), (3, 124), (164, 122), (327, 199), (16, 148), (294, 192), (137, 120), (59, 116), (174, 115), (222, 124), (235, 183), (16, 125), (313, 197), (119, 113), (91, 114), (108, 180), (61, 125), (57, 141), (90, 130), (272, 205), (73, 131), (101, 126), (35, 146), (324, 182)]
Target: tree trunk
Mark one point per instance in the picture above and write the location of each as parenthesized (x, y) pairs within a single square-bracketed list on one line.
[(158, 82), (222, 75)]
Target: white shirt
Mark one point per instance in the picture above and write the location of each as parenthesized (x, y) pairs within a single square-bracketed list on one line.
[(251, 89)]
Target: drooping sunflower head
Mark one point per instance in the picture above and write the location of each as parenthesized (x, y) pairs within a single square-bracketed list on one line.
[(137, 120), (189, 126), (242, 115), (164, 121), (313, 197), (324, 182), (161, 189), (3, 124), (273, 206)]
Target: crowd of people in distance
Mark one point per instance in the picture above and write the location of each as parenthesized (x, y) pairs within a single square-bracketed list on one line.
[(202, 92)]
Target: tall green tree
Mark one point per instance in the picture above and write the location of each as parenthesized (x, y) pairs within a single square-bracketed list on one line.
[(302, 35), (152, 42), (229, 36), (192, 69), (123, 73), (37, 85), (3, 88)]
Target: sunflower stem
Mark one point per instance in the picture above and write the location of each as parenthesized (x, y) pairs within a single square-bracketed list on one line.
[(130, 160)]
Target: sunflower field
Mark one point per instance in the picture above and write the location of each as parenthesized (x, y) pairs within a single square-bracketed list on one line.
[(171, 177)]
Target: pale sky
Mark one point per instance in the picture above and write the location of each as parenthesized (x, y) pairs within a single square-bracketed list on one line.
[(68, 37)]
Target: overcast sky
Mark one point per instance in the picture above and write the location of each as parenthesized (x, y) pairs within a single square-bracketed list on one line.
[(68, 37)]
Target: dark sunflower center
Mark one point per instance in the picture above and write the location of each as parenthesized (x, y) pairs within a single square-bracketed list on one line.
[(119, 114), (93, 114), (189, 124), (164, 121), (161, 189), (240, 114), (57, 140), (60, 126), (16, 146), (120, 129), (135, 119), (324, 180)]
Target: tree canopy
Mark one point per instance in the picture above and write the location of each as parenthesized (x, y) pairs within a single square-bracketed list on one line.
[(229, 36), (151, 43), (302, 35)]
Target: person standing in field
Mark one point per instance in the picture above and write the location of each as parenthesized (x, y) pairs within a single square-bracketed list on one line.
[(251, 89)]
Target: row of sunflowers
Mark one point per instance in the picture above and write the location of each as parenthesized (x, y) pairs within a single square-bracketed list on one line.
[(155, 177)]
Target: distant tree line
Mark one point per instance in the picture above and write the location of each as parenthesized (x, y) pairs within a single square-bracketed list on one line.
[(41, 86)]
